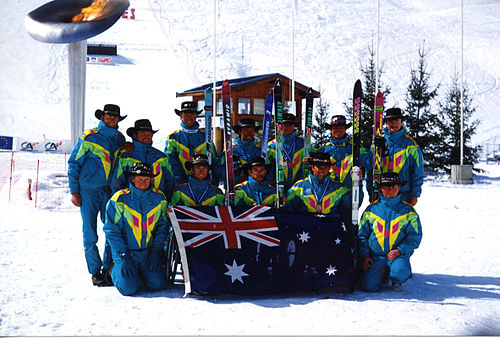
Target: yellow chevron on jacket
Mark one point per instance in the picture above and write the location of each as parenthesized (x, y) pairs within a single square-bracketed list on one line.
[(378, 226), (99, 151)]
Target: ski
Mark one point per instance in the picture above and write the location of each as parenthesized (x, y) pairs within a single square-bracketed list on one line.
[(208, 123), (308, 126), (377, 153), (278, 111), (267, 124), (228, 143), (356, 141)]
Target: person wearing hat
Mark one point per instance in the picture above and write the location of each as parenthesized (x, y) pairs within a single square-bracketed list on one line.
[(402, 156), (245, 146), (340, 149), (187, 142), (319, 192), (292, 151), (255, 191), (90, 167), (136, 230), (389, 232), (198, 191), (143, 151)]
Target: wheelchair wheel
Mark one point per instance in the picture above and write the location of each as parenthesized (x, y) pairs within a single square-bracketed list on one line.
[(172, 258)]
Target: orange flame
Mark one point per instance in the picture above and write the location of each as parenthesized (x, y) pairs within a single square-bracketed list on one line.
[(94, 11)]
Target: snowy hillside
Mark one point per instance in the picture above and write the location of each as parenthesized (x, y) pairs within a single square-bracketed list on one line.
[(167, 48)]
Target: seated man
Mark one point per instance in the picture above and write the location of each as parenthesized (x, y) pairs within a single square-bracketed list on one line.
[(389, 232), (319, 193), (136, 229), (198, 191), (255, 191)]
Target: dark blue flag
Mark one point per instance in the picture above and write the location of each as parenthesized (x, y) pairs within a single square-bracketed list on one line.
[(259, 250), (6, 142)]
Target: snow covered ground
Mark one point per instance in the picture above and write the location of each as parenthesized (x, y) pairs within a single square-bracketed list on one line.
[(46, 289)]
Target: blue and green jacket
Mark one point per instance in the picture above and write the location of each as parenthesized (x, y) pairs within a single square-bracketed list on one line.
[(136, 220), (252, 192), (91, 163), (246, 150), (197, 193), (387, 224), (143, 153)]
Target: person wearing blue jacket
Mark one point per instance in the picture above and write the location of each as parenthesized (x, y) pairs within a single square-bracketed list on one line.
[(198, 191), (143, 151), (244, 146), (136, 230), (389, 232), (402, 155), (255, 191), (319, 193), (183, 144), (90, 168)]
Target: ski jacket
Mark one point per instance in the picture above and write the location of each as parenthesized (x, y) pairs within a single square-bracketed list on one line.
[(136, 220), (197, 193), (246, 150), (293, 153), (181, 146), (91, 163), (252, 192), (319, 196), (387, 224), (405, 157), (143, 153)]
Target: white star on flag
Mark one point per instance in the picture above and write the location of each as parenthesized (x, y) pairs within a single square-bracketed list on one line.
[(330, 270), (337, 241), (304, 237), (235, 272)]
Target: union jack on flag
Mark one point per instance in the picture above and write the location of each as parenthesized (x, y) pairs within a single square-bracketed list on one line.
[(224, 224)]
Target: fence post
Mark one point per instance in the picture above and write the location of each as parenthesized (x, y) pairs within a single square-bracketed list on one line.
[(11, 171), (36, 186)]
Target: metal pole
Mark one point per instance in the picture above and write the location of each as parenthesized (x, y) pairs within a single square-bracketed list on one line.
[(214, 89), (293, 57), (462, 83), (378, 33), (77, 63)]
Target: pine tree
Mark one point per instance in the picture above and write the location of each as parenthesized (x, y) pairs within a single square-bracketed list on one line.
[(320, 132), (419, 120), (447, 151), (368, 101)]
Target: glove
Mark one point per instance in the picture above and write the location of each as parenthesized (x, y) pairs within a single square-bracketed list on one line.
[(380, 142), (127, 265), (155, 262)]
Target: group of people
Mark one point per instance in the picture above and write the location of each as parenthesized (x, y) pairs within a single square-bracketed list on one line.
[(131, 184)]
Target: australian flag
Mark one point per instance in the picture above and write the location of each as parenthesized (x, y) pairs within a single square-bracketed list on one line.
[(259, 250), (6, 142)]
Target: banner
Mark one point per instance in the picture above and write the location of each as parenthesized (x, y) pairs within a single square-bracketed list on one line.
[(259, 250), (6, 143)]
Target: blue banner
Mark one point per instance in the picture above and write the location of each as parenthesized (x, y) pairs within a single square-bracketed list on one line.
[(6, 142)]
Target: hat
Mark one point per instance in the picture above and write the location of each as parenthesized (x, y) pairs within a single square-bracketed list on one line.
[(113, 110), (338, 120), (256, 162), (393, 114), (188, 107), (246, 122), (390, 179), (141, 169), (199, 159), (289, 118), (320, 159), (140, 125)]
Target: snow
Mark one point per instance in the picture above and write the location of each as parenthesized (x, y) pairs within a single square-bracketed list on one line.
[(45, 288)]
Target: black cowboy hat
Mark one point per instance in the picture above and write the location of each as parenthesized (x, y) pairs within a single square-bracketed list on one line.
[(393, 114), (255, 162), (141, 125), (391, 179), (141, 169), (246, 122), (199, 159), (188, 107), (110, 109), (338, 120), (289, 118), (320, 159)]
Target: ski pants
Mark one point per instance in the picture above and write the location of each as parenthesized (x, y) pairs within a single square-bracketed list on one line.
[(94, 202), (143, 277), (399, 272)]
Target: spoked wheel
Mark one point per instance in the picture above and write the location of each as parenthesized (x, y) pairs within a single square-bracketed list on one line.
[(173, 258)]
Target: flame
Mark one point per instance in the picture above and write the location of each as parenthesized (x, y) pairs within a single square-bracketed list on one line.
[(94, 11)]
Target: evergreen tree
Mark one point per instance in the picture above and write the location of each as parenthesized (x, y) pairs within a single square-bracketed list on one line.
[(368, 100), (447, 151), (320, 132), (419, 120)]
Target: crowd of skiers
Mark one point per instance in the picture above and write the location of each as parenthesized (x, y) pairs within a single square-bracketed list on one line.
[(131, 185)]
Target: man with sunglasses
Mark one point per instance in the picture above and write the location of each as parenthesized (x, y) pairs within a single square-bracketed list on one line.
[(90, 168), (389, 232)]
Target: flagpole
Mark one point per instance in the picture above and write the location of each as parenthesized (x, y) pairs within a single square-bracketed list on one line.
[(378, 34), (293, 57), (214, 89)]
